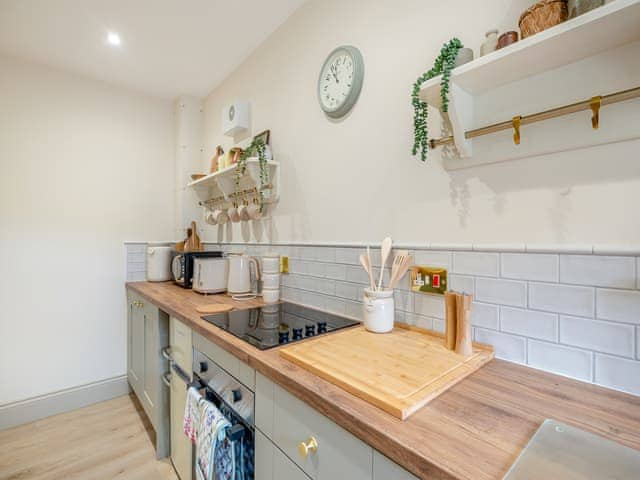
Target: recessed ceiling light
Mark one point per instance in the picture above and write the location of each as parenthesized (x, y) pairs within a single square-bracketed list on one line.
[(114, 39)]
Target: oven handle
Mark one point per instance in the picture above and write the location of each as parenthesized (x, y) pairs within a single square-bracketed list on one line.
[(181, 373), (166, 354)]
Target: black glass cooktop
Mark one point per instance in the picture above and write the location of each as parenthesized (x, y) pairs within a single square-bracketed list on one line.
[(278, 324)]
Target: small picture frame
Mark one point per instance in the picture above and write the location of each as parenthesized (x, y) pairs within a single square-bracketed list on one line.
[(264, 136)]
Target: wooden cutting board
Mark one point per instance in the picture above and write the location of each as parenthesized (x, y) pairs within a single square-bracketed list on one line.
[(399, 372)]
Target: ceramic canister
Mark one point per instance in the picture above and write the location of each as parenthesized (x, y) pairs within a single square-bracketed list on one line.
[(490, 43), (379, 310)]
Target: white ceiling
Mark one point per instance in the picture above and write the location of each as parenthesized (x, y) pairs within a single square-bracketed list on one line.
[(169, 47)]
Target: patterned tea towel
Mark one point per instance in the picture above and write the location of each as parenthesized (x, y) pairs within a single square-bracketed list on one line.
[(191, 413), (215, 459)]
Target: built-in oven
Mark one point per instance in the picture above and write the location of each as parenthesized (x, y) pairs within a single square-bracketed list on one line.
[(236, 402)]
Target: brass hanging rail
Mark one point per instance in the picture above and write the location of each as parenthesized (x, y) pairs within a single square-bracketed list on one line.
[(592, 104)]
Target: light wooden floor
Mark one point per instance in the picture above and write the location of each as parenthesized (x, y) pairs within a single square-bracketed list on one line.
[(108, 440)]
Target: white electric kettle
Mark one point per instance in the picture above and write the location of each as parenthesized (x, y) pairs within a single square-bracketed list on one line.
[(240, 273)]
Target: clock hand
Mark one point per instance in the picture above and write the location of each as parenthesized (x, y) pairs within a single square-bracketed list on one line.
[(333, 72)]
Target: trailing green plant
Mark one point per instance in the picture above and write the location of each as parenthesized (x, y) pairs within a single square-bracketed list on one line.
[(441, 66), (256, 147)]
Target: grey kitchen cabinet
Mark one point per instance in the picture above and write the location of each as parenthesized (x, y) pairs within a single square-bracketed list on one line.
[(148, 334), (288, 422), (180, 351), (135, 343), (272, 464), (385, 469)]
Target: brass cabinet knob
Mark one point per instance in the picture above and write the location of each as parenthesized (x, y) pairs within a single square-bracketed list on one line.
[(311, 445)]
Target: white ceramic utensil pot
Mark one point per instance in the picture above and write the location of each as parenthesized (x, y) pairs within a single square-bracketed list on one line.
[(379, 310)]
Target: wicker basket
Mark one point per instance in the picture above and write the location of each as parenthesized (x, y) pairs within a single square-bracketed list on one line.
[(542, 15)]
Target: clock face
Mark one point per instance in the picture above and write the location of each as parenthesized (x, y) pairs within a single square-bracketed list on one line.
[(340, 81)]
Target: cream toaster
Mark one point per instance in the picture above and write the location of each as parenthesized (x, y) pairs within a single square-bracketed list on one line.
[(210, 275)]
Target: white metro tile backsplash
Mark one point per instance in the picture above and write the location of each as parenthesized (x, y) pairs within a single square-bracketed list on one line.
[(618, 373), (503, 292), (476, 263), (568, 361), (607, 337), (135, 261), (562, 299), (618, 305), (573, 314), (529, 323), (530, 266), (599, 271), (507, 347)]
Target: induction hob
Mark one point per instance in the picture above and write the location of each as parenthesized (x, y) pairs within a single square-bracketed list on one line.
[(278, 324)]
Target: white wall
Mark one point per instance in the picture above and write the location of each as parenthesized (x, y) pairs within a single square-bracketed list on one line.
[(355, 179), (83, 167)]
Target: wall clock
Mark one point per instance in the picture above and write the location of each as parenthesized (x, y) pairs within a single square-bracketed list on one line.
[(340, 81)]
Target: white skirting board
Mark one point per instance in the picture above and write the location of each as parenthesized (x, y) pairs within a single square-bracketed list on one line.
[(25, 411)]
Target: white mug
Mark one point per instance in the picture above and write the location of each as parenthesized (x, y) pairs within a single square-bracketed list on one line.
[(220, 216), (271, 263), (210, 218), (254, 212), (271, 296), (270, 281), (243, 213), (233, 213)]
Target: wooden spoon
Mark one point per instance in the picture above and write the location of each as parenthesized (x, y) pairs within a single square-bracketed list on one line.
[(385, 250), (366, 264)]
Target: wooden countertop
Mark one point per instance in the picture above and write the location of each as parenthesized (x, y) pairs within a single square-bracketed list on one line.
[(474, 431)]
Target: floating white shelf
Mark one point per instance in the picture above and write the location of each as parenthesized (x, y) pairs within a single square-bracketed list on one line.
[(223, 182), (602, 29)]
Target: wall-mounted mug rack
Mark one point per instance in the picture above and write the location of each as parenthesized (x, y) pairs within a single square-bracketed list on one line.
[(593, 104), (222, 189)]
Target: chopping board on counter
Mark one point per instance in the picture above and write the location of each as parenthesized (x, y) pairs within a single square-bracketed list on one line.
[(399, 372), (565, 452)]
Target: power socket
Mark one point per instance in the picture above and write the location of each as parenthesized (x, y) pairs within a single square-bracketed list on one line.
[(426, 279)]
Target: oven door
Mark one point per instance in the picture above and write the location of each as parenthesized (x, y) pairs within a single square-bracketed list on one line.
[(181, 448), (236, 402)]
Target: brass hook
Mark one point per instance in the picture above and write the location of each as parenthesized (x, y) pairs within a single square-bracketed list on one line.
[(595, 108), (516, 129)]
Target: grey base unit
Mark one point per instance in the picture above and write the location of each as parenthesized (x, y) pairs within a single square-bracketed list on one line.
[(307, 445), (272, 464), (147, 336)]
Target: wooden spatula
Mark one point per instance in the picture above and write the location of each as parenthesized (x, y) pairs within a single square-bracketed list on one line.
[(400, 266)]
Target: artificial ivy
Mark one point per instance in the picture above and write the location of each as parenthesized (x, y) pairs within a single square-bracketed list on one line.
[(442, 66), (256, 146)]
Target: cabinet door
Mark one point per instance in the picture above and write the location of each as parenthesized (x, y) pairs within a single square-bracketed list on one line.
[(263, 457), (385, 469), (272, 464), (151, 377), (285, 469), (180, 444), (288, 421), (180, 342), (136, 346)]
